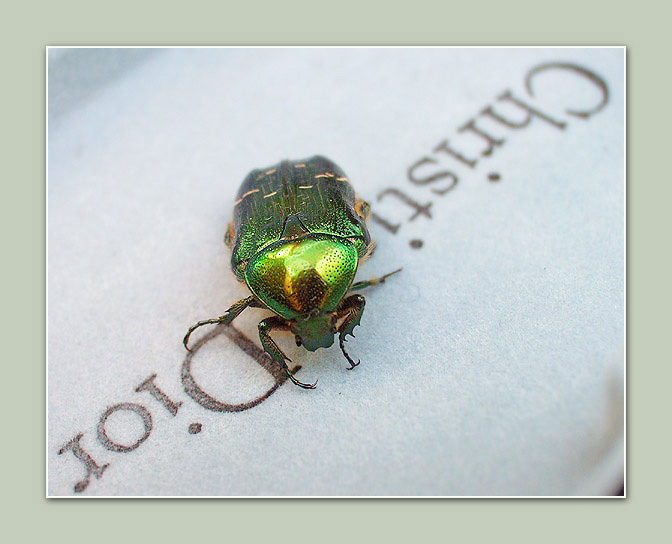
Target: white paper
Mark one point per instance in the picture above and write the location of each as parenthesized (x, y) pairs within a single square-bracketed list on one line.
[(491, 365)]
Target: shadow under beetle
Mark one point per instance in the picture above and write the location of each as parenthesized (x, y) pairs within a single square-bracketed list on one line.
[(297, 237)]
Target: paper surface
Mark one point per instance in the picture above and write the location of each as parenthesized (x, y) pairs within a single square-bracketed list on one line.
[(492, 365)]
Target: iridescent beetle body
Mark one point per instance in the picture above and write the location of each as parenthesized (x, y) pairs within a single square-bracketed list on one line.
[(297, 238)]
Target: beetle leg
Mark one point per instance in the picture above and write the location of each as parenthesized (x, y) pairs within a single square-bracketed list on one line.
[(270, 347), (351, 309), (225, 319), (372, 281), (230, 235), (362, 208)]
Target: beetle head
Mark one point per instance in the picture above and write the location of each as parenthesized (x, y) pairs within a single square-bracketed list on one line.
[(314, 330)]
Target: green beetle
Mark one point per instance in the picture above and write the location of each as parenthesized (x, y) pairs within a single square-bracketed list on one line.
[(297, 238)]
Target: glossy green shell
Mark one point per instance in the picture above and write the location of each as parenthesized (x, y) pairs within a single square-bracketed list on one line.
[(295, 277), (293, 199)]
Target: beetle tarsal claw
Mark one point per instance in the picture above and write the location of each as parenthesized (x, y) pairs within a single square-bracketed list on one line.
[(297, 382), (352, 363)]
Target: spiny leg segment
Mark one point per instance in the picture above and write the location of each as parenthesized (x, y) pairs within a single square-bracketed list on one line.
[(351, 309), (225, 319), (270, 347)]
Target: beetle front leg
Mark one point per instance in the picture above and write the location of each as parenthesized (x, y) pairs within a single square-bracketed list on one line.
[(372, 281), (270, 347), (351, 309), (225, 319)]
